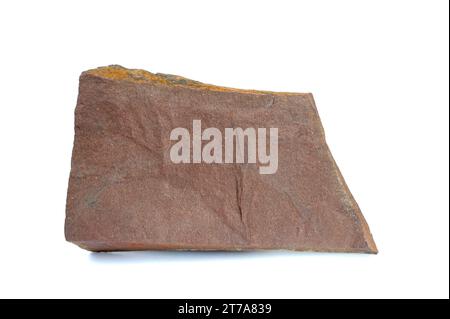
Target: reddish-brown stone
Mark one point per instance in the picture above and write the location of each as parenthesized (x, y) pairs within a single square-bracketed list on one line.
[(126, 194)]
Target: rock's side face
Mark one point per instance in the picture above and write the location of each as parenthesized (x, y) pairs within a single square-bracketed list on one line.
[(126, 193)]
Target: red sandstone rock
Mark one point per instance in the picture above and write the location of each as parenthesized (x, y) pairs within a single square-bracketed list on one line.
[(125, 193)]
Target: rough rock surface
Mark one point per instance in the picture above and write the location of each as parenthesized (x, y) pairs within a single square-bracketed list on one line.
[(126, 194)]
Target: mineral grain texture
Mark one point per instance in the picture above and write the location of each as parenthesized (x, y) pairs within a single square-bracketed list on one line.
[(125, 193)]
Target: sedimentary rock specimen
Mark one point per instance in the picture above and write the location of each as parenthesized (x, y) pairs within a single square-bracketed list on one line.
[(163, 162)]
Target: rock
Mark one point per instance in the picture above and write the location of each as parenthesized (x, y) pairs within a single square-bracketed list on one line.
[(127, 193)]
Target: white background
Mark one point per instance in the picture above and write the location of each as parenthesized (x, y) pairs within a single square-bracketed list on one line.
[(379, 74)]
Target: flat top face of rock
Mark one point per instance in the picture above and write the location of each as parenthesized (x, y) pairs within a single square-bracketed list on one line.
[(127, 192), (117, 72)]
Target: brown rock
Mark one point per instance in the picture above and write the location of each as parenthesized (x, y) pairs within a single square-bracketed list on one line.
[(125, 193)]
